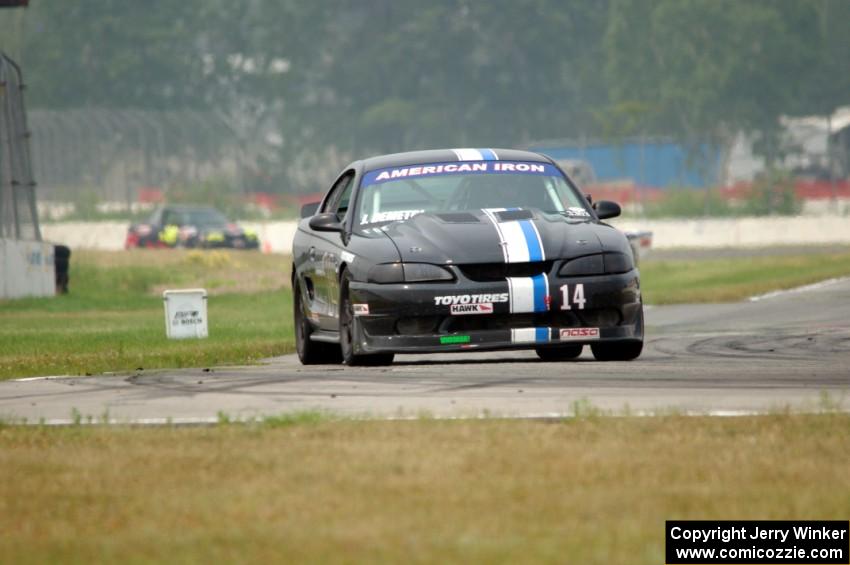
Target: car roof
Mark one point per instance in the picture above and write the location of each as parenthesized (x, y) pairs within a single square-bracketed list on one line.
[(188, 207), (450, 155)]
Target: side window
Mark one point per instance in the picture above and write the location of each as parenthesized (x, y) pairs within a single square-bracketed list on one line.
[(340, 196)]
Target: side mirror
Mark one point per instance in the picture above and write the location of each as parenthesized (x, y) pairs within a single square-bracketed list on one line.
[(325, 222), (606, 209), (309, 209)]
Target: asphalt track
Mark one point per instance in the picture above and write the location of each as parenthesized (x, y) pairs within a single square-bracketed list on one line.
[(789, 351)]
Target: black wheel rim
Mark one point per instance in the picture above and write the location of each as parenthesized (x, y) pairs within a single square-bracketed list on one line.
[(345, 318), (300, 320)]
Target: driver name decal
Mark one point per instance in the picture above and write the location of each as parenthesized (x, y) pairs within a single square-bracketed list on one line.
[(390, 216)]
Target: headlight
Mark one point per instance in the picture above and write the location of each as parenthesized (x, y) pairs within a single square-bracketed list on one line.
[(420, 272), (618, 263), (408, 272), (601, 263), (588, 265), (387, 273)]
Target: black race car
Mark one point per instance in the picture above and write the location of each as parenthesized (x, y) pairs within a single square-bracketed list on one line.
[(189, 226), (461, 250)]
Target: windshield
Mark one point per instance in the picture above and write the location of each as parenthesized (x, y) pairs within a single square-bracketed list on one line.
[(400, 193)]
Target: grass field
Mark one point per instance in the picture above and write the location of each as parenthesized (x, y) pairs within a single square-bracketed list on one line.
[(736, 278), (113, 318), (312, 488), (305, 489)]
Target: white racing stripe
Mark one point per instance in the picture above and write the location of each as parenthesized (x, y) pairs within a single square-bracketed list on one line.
[(523, 335), (466, 154), (521, 291), (490, 213), (528, 294), (514, 237), (520, 240), (531, 335)]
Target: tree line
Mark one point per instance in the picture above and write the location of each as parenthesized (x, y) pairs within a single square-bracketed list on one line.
[(336, 79)]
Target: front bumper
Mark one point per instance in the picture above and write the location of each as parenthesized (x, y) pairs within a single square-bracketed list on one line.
[(420, 317)]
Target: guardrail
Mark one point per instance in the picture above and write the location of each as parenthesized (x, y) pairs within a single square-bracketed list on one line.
[(276, 237)]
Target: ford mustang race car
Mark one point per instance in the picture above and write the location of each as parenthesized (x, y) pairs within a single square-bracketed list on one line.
[(189, 226), (461, 250)]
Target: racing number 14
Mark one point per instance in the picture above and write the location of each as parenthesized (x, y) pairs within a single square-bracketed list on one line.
[(578, 296)]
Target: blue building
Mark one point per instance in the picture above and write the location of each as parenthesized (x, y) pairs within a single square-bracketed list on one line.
[(652, 163)]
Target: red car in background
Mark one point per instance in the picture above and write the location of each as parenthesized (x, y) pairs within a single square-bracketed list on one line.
[(190, 226)]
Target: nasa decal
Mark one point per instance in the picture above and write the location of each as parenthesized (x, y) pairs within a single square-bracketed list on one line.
[(579, 334)]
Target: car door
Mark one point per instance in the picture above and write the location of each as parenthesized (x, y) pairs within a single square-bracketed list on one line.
[(326, 255)]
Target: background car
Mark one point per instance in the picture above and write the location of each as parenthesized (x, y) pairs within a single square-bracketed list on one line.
[(189, 226), (457, 250)]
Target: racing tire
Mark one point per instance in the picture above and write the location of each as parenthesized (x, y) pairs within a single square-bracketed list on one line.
[(310, 352), (346, 332), (560, 353), (625, 351)]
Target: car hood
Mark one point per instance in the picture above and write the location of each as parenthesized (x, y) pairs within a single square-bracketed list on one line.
[(477, 237)]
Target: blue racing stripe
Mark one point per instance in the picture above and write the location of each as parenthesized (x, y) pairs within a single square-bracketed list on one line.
[(488, 155), (541, 334), (535, 253), (539, 282)]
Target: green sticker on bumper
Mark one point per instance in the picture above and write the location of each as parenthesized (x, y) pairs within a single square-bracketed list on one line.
[(450, 339)]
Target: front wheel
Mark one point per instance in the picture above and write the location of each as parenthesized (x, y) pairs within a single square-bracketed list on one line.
[(310, 352), (625, 351), (346, 331)]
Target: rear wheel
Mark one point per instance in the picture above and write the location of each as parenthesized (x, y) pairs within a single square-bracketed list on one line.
[(310, 352), (560, 353), (346, 331)]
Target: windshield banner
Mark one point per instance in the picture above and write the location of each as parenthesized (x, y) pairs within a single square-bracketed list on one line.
[(380, 176)]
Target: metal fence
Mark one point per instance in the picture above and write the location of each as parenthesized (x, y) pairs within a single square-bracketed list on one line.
[(18, 216), (108, 155)]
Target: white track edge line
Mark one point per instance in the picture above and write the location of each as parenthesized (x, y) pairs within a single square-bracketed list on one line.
[(804, 288)]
